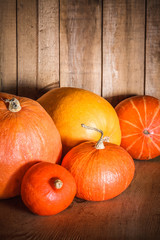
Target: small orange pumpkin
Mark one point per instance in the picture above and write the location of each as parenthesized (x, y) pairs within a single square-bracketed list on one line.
[(101, 170), (69, 107), (27, 135), (139, 118), (47, 188)]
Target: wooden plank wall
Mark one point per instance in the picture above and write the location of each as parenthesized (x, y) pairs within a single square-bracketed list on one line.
[(110, 47), (123, 48), (27, 47), (80, 44), (8, 50)]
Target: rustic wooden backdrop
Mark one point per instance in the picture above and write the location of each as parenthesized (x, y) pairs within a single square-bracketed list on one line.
[(111, 47)]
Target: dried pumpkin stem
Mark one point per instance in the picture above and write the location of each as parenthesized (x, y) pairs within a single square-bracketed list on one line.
[(58, 184), (99, 144), (146, 132), (14, 104)]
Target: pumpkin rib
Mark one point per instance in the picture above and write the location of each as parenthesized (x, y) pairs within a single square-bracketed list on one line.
[(154, 116), (130, 135), (133, 125), (137, 110), (145, 110), (133, 143), (158, 148), (155, 128), (141, 152)]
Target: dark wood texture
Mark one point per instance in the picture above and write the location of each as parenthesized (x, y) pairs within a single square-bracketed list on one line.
[(133, 215)]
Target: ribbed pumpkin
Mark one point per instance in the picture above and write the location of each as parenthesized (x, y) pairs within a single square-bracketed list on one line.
[(101, 170), (27, 135), (140, 125), (69, 107)]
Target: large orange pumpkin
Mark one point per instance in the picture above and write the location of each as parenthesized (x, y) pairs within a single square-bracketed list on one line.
[(140, 125), (69, 107), (27, 135), (101, 170)]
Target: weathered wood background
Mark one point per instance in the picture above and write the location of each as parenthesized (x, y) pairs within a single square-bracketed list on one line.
[(111, 47)]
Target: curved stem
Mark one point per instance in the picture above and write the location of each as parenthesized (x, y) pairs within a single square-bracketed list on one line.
[(99, 144), (14, 104)]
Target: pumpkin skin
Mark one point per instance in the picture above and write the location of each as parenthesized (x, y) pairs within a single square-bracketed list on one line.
[(69, 107), (39, 192), (100, 174), (26, 137), (139, 118)]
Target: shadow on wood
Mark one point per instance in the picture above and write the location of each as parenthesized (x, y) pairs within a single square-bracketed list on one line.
[(114, 100)]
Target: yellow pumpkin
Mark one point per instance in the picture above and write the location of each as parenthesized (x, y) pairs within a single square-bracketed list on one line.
[(71, 107)]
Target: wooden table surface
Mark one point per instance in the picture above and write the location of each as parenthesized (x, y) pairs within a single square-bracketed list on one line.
[(135, 214)]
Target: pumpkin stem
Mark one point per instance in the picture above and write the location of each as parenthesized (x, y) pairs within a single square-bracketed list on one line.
[(14, 104), (99, 144), (58, 184), (146, 132)]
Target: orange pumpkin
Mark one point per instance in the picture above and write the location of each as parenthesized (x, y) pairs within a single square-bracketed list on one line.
[(140, 125), (27, 135), (101, 170), (69, 107), (47, 188)]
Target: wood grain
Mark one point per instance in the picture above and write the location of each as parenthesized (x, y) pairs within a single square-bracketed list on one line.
[(134, 214), (152, 86), (48, 45), (109, 47), (80, 44), (8, 73), (123, 48), (27, 47)]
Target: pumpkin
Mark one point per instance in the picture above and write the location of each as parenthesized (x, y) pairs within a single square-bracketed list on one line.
[(27, 135), (69, 107), (47, 188), (139, 118), (101, 170)]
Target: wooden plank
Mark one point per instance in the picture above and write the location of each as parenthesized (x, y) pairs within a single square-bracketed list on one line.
[(123, 49), (8, 46), (27, 47), (48, 45), (133, 215), (80, 44), (152, 86)]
